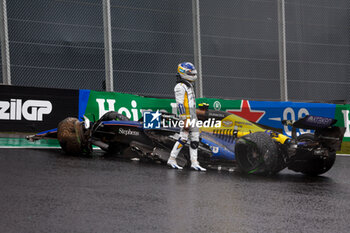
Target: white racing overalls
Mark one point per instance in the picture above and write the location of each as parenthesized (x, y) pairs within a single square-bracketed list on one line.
[(186, 103)]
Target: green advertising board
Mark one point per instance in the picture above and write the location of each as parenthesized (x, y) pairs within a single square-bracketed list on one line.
[(342, 116), (129, 105)]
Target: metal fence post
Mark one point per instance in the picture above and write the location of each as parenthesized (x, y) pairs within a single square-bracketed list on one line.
[(282, 50), (108, 44), (197, 47), (5, 48)]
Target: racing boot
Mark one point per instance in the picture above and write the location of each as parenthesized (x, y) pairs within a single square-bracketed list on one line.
[(194, 154), (172, 163), (173, 154), (195, 165)]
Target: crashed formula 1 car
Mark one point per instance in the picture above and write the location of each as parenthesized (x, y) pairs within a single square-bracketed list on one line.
[(238, 144)]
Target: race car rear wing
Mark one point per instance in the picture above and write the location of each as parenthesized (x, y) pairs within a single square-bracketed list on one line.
[(325, 131), (311, 122)]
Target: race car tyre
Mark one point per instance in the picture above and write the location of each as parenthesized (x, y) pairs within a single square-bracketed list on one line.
[(313, 165), (256, 153), (70, 134)]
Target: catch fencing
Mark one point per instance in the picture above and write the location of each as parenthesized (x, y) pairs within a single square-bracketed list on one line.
[(239, 46)]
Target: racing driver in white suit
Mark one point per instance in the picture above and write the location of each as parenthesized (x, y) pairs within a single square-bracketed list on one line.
[(186, 104)]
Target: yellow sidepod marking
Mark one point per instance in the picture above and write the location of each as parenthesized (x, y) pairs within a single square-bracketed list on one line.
[(242, 133), (243, 126)]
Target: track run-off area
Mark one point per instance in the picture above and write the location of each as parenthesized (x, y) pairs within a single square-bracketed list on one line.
[(44, 190)]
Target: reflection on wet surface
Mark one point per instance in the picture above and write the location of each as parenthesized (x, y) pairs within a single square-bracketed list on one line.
[(46, 191)]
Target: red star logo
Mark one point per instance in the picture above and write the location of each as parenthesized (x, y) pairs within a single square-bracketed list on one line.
[(246, 113)]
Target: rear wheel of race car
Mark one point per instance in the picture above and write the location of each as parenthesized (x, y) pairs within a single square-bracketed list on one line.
[(70, 134), (315, 166), (257, 153)]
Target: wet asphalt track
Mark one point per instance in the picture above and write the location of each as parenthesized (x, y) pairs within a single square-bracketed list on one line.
[(46, 191)]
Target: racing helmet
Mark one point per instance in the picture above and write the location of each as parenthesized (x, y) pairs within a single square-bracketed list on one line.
[(187, 71)]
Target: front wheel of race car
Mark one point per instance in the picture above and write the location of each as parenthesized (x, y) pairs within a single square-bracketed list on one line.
[(70, 134), (257, 153)]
